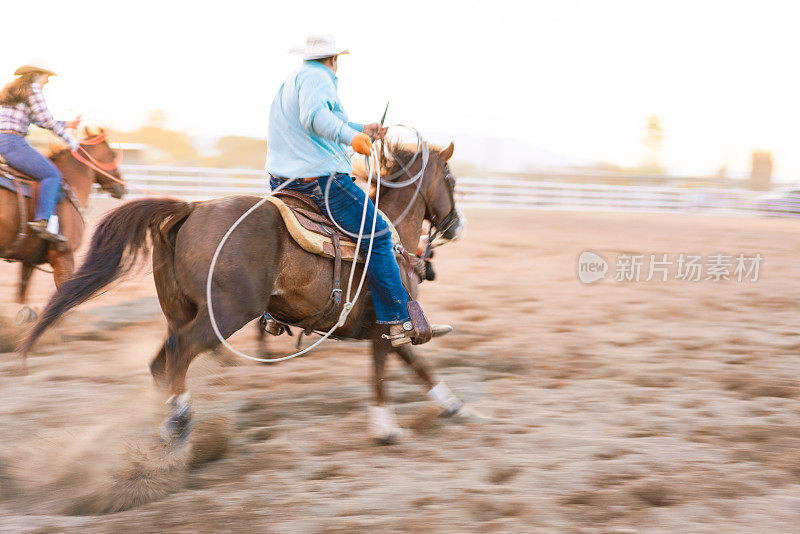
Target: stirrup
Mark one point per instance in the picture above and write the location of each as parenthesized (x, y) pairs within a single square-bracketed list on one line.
[(400, 334), (271, 326), (416, 330), (40, 229)]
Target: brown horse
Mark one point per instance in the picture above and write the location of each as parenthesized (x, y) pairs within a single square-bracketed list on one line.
[(260, 268), (30, 250)]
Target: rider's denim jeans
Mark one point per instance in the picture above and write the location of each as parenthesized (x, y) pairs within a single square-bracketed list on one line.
[(346, 202), (23, 157)]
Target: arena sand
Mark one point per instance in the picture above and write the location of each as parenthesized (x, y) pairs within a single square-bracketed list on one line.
[(616, 407)]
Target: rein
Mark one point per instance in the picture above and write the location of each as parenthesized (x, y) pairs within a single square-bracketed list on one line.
[(437, 228), (114, 165)]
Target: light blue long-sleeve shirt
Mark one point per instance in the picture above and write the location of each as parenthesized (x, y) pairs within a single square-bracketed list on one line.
[(307, 124)]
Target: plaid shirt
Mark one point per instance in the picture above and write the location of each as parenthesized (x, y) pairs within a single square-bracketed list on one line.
[(19, 116)]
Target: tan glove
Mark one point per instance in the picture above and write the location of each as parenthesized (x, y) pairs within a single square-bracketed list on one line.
[(361, 144)]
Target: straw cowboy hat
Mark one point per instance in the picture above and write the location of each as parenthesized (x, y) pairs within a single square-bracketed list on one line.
[(319, 46), (33, 67)]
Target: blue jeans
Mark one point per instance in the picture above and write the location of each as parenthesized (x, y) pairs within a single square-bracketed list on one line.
[(23, 157), (346, 203)]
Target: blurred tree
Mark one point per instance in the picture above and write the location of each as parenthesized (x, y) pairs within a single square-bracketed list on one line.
[(761, 170), (465, 168), (653, 140), (155, 133), (239, 152)]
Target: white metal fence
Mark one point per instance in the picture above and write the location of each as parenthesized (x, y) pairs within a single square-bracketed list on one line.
[(204, 183)]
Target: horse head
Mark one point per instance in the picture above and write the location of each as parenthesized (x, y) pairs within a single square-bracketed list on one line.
[(441, 208), (102, 159), (401, 162)]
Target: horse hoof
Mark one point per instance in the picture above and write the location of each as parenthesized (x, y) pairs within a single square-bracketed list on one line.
[(175, 431), (25, 315), (178, 425), (383, 426), (389, 439), (452, 408), (467, 414)]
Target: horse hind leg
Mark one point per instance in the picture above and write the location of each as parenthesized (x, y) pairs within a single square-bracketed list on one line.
[(26, 313), (178, 351), (181, 348), (25, 272), (158, 366), (177, 316)]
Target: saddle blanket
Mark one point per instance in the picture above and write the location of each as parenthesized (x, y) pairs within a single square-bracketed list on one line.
[(8, 183), (310, 240), (8, 180)]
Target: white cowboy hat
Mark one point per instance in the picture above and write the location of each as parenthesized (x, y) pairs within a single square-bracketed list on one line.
[(319, 46), (36, 66)]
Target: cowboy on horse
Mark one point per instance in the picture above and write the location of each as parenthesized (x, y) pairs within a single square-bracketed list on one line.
[(267, 265), (22, 103), (307, 123)]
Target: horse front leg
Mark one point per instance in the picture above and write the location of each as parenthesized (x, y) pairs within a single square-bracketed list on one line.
[(437, 390), (382, 422)]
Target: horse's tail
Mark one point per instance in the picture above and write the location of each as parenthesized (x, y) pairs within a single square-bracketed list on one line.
[(119, 243)]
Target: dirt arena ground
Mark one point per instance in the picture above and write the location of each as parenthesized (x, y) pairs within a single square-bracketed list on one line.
[(615, 407)]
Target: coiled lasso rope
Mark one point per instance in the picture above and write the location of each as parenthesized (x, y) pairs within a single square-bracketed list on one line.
[(373, 168)]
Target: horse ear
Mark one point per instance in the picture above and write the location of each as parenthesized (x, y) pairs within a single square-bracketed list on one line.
[(384, 156), (447, 153), (90, 128)]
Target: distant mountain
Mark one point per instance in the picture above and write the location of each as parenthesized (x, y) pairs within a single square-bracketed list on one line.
[(504, 154), (486, 153)]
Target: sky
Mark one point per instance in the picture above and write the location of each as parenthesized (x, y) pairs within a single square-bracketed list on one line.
[(577, 78)]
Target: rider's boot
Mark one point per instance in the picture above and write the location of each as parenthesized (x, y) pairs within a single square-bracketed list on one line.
[(417, 329), (47, 229), (400, 334)]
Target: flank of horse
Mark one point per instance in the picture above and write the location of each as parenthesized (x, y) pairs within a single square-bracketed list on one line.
[(260, 268), (33, 251)]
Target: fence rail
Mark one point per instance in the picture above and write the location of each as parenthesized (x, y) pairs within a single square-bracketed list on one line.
[(202, 183)]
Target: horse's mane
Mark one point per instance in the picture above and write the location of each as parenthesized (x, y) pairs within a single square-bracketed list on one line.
[(400, 155)]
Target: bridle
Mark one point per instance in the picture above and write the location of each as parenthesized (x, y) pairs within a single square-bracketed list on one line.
[(437, 227), (452, 215), (89, 161)]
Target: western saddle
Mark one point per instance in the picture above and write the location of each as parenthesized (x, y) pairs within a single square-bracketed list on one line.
[(24, 187), (316, 233)]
